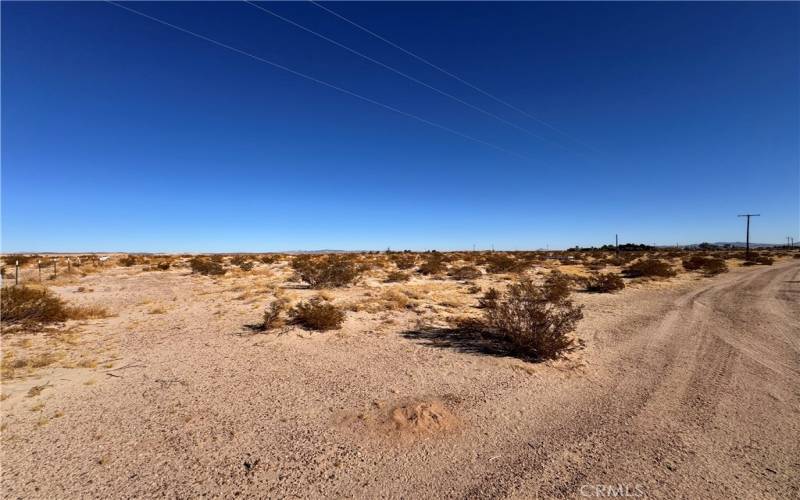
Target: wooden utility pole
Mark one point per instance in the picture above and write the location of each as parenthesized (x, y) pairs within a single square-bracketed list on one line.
[(747, 251), (616, 244)]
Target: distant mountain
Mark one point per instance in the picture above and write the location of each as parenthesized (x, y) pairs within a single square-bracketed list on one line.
[(742, 244)]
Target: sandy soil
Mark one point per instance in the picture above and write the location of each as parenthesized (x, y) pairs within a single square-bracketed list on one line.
[(689, 389)]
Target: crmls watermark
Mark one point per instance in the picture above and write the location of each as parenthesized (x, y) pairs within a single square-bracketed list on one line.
[(612, 490)]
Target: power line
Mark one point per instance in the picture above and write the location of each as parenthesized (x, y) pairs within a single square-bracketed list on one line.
[(451, 75), (398, 72), (317, 80), (747, 251)]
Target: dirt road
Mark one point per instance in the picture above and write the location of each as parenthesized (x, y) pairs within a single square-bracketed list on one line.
[(684, 392)]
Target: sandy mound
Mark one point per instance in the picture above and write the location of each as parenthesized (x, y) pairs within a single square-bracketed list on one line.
[(422, 417)]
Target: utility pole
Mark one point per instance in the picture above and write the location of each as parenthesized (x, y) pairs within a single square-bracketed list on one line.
[(616, 243), (747, 252)]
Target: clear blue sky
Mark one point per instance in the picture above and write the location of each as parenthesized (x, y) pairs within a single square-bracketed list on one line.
[(119, 133)]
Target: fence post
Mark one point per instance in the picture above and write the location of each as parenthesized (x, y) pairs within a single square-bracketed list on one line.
[(39, 262), (16, 272)]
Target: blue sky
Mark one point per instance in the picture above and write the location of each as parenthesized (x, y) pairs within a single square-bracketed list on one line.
[(119, 133)]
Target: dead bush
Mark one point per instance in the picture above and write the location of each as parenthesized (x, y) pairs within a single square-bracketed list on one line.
[(764, 260), (489, 299), (466, 273), (558, 285), (269, 259), (274, 315), (163, 265), (29, 306), (604, 283), (246, 266), (404, 261), (129, 260), (503, 263), (327, 271), (12, 259), (649, 268), (434, 264), (710, 266), (536, 320), (397, 277), (206, 267), (317, 314)]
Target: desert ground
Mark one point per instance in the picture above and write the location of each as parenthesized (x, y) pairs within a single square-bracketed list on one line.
[(676, 387)]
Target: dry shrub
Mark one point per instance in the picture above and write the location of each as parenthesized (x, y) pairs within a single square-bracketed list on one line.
[(317, 314), (503, 263), (273, 315), (558, 285), (238, 260), (489, 299), (397, 277), (269, 259), (710, 266), (28, 306), (604, 283), (246, 266), (434, 264), (163, 265), (12, 259), (535, 319), (466, 273), (23, 305), (206, 267), (764, 260), (649, 268), (796, 256), (327, 271), (404, 261)]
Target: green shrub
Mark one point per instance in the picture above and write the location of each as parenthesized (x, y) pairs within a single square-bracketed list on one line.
[(604, 283), (536, 320), (326, 271), (317, 314), (206, 267)]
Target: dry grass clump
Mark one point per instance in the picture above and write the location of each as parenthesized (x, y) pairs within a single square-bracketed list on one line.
[(12, 259), (536, 320), (466, 273), (388, 300), (328, 271), (129, 260), (206, 266), (710, 266), (604, 283), (269, 258), (649, 268), (317, 314)]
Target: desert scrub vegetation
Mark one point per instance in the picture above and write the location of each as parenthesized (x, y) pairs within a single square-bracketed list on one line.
[(709, 266), (404, 261), (649, 268), (435, 263), (26, 306), (206, 266), (604, 283), (503, 263), (274, 315), (328, 271), (764, 260), (317, 314), (465, 273), (397, 277), (535, 319)]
